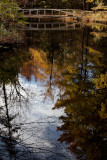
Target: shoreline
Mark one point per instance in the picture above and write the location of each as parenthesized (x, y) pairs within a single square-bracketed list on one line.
[(96, 17), (86, 18)]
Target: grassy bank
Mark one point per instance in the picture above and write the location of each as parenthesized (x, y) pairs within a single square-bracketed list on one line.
[(99, 16)]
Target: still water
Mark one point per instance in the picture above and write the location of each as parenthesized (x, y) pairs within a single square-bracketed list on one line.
[(53, 95)]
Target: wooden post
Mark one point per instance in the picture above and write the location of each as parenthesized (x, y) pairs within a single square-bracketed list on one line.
[(44, 25), (44, 12), (67, 12), (66, 25), (23, 12), (51, 12), (37, 26), (59, 13), (37, 11), (30, 25), (59, 25), (74, 12), (51, 25), (29, 12)]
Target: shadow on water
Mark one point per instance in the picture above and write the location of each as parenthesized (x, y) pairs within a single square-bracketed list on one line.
[(56, 69)]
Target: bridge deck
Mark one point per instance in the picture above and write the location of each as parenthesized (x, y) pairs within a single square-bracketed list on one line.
[(47, 16)]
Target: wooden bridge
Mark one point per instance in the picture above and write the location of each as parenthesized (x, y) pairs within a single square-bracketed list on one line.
[(34, 26), (49, 13)]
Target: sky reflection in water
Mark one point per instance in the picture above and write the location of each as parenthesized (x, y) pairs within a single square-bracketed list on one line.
[(61, 69)]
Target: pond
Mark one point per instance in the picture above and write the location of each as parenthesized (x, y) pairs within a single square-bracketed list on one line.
[(53, 94)]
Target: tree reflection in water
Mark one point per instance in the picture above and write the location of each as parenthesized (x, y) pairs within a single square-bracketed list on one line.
[(84, 101), (77, 67), (13, 96)]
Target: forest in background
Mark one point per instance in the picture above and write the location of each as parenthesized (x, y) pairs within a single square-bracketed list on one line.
[(74, 4), (9, 14)]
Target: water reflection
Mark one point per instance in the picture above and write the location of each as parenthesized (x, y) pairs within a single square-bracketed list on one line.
[(11, 98), (84, 101), (28, 131), (34, 26), (64, 69)]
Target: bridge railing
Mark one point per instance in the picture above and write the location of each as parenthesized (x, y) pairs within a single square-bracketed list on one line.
[(51, 12)]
